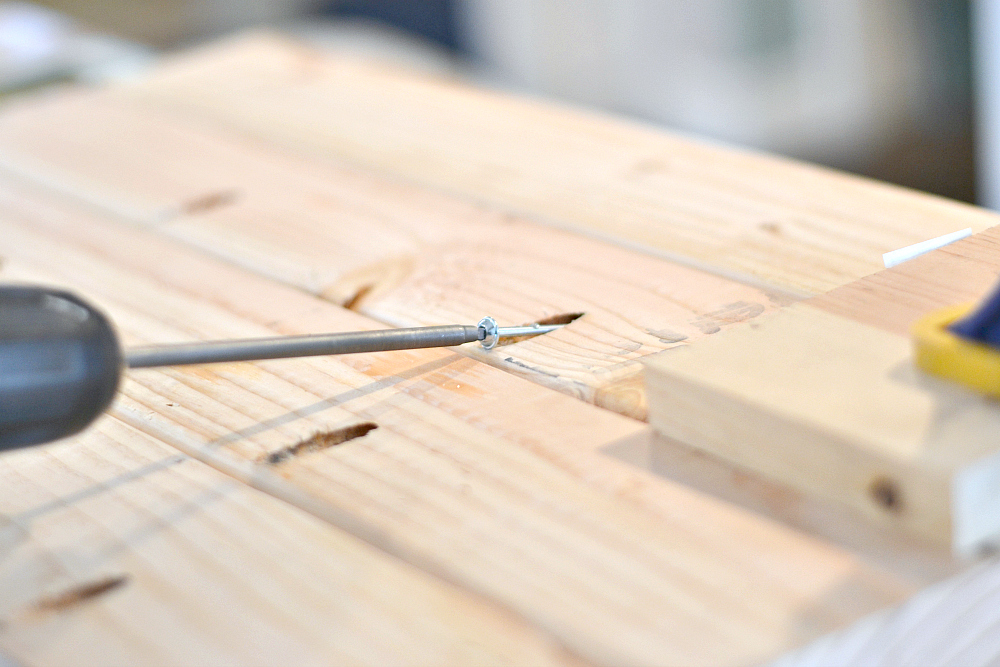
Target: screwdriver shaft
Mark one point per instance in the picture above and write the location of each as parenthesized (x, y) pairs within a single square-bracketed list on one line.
[(300, 346)]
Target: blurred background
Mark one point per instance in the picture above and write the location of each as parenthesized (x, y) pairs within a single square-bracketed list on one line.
[(900, 90)]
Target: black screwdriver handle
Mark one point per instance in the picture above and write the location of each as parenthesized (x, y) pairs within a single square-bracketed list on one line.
[(60, 365)]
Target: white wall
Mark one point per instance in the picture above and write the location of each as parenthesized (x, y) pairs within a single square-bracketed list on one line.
[(821, 79), (986, 67)]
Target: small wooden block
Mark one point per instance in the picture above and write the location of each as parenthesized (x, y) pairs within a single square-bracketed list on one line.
[(835, 408)]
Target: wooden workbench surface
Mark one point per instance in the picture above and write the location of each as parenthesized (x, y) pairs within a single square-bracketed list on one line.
[(420, 507)]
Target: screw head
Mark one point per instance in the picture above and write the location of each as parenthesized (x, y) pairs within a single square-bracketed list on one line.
[(488, 333)]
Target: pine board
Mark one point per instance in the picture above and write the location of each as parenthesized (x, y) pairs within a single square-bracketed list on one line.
[(423, 258), (489, 482), (784, 224), (117, 549), (824, 397), (893, 300)]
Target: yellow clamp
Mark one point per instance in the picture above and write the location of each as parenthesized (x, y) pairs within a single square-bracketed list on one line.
[(940, 352)]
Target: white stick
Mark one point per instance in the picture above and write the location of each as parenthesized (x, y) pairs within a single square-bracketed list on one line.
[(909, 252)]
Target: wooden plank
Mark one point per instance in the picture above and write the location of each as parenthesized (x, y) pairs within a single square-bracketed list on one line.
[(117, 549), (834, 407), (424, 258), (786, 224), (479, 477), (893, 300)]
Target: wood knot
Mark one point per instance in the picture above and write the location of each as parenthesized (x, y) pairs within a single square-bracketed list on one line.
[(886, 494), (206, 203)]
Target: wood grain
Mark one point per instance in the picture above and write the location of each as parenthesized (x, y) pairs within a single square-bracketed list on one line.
[(117, 549), (788, 225), (423, 258), (487, 481), (893, 300)]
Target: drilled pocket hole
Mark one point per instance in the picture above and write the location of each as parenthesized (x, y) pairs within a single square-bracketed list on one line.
[(320, 441), (565, 318), (80, 594), (354, 301)]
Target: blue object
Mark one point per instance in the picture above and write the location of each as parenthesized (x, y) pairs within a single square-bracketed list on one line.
[(983, 325), (432, 19)]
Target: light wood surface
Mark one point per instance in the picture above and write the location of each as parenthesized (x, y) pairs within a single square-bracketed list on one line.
[(788, 225), (964, 271), (422, 258), (485, 480), (117, 549), (824, 397), (255, 188)]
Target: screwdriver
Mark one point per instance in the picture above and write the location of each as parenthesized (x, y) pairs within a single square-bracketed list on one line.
[(61, 362)]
